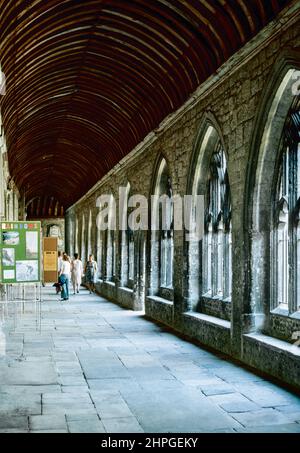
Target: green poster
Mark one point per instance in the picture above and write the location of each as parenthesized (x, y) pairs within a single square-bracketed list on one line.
[(20, 247)]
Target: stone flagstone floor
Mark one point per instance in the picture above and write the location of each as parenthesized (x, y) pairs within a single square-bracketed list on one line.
[(97, 368)]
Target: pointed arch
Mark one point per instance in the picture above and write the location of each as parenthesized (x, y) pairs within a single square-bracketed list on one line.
[(100, 252), (162, 230), (77, 235), (272, 193), (83, 237), (71, 228), (209, 131), (127, 243), (210, 259), (90, 226)]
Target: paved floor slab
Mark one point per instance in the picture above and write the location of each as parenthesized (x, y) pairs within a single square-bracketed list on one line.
[(263, 417), (98, 368), (20, 404), (171, 410), (274, 429), (47, 422), (14, 422), (122, 425), (86, 425)]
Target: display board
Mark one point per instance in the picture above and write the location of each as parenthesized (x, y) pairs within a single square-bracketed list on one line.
[(50, 260), (20, 247)]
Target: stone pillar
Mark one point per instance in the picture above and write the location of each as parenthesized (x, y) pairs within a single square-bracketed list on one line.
[(140, 270), (178, 277)]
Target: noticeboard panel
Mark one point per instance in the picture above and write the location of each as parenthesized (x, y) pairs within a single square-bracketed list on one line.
[(50, 260), (20, 247)]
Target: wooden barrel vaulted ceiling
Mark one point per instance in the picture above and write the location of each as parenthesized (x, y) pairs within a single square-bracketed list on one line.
[(88, 80)]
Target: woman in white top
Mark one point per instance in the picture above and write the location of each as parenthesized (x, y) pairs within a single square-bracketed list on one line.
[(64, 277), (59, 264), (77, 271), (59, 261)]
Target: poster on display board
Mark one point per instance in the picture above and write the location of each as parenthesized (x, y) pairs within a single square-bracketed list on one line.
[(20, 252), (50, 259)]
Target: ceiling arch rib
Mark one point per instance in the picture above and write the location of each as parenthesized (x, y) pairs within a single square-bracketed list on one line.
[(87, 81)]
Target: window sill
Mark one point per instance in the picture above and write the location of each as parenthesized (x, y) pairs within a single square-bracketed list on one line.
[(275, 343), (208, 296), (296, 315), (160, 300), (280, 311), (126, 289), (284, 312), (110, 283), (209, 319)]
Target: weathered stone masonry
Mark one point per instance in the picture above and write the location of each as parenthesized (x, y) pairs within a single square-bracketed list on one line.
[(232, 100)]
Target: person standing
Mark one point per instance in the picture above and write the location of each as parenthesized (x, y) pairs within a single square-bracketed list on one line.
[(59, 264), (59, 261), (77, 271), (65, 277), (67, 256), (91, 268)]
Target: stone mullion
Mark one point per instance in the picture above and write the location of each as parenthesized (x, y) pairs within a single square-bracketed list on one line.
[(153, 279), (137, 276), (143, 264), (298, 266), (98, 251), (105, 255), (226, 266), (293, 173), (178, 276), (118, 257), (123, 250)]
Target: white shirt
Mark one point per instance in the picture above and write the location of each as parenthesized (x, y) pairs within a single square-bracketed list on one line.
[(77, 267), (66, 268), (59, 263)]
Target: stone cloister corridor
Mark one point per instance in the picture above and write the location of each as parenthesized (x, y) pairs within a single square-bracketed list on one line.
[(98, 368)]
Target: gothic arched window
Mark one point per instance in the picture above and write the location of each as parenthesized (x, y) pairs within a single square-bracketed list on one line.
[(130, 243), (216, 264), (110, 246), (83, 238), (162, 239), (127, 246), (77, 235), (210, 256), (286, 225), (89, 246), (100, 253)]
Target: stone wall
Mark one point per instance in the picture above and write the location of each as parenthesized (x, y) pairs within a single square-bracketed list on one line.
[(9, 194), (47, 224), (232, 99)]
